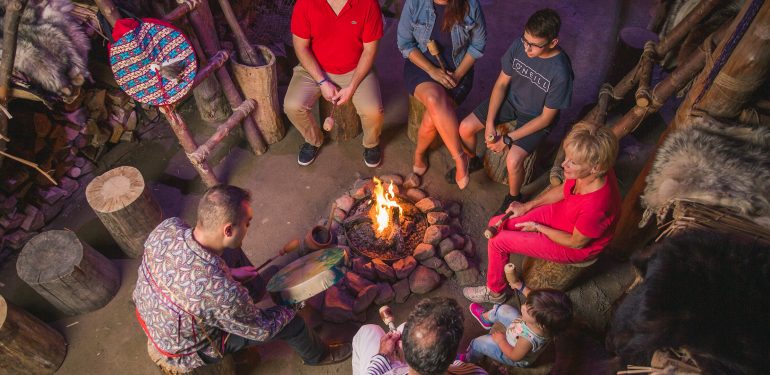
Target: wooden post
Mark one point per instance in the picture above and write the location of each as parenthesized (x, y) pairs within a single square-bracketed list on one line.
[(108, 10), (224, 367), (182, 132), (246, 52), (186, 6), (203, 23), (416, 111), (260, 83), (27, 345), (347, 124), (67, 272), (209, 98), (494, 163), (10, 28), (644, 75), (223, 130), (723, 98), (122, 202)]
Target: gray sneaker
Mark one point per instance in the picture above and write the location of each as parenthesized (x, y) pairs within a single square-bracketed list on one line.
[(482, 294)]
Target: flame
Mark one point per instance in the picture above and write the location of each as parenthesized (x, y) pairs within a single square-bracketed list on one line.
[(383, 201)]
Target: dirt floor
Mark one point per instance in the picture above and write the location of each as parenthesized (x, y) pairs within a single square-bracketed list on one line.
[(289, 199)]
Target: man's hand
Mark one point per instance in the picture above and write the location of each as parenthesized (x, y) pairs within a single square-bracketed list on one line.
[(389, 343), (498, 337), (244, 274), (496, 146), (343, 95), (528, 226), (490, 133), (442, 77), (329, 90), (517, 209)]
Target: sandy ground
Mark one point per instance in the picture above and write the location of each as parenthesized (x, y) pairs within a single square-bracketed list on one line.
[(289, 199)]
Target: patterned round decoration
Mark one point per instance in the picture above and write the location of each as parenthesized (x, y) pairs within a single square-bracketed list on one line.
[(154, 63)]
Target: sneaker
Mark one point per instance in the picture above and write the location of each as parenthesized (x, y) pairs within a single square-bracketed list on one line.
[(307, 154), (335, 353), (507, 202), (475, 164), (482, 294), (478, 312), (373, 156)]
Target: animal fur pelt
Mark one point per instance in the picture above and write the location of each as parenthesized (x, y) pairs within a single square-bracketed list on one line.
[(703, 292), (723, 165), (51, 47)]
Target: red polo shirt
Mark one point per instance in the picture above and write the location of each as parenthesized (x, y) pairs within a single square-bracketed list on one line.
[(337, 41)]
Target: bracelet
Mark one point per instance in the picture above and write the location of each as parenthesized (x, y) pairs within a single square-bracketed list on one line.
[(319, 83), (521, 290)]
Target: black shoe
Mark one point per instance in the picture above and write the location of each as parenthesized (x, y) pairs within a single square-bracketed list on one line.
[(373, 156), (307, 154), (474, 165), (335, 353), (507, 202)]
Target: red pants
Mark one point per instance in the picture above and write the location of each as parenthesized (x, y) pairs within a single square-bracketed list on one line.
[(512, 240)]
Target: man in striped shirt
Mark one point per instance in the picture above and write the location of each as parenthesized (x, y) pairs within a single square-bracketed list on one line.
[(427, 346)]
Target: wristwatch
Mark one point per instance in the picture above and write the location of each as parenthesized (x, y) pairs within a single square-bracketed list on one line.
[(507, 140)]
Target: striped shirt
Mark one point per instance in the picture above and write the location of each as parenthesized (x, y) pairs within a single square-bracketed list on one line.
[(380, 365)]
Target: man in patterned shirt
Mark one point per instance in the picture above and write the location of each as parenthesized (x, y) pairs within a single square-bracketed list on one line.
[(192, 304), (428, 345)]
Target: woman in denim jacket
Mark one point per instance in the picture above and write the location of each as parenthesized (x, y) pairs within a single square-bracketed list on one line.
[(458, 27)]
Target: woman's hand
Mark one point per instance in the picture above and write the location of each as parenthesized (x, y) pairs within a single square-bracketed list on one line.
[(442, 77), (517, 209), (528, 226), (498, 337)]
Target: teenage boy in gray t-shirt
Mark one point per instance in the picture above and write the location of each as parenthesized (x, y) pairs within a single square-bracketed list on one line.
[(534, 84)]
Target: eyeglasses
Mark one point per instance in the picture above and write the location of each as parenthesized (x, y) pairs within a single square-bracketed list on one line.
[(528, 45)]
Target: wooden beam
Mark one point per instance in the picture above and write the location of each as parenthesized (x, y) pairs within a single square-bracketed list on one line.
[(204, 150), (246, 53), (182, 132), (10, 28), (180, 11), (108, 10)]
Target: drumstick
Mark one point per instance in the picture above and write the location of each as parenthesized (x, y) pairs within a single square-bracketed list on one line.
[(329, 121), (281, 253), (492, 231), (433, 49), (331, 218), (510, 273), (387, 317)]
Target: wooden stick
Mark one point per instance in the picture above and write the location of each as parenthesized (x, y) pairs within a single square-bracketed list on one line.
[(30, 164), (644, 75), (203, 23), (331, 218), (182, 132), (246, 53), (10, 28), (433, 49), (180, 11), (203, 151), (214, 63), (109, 10)]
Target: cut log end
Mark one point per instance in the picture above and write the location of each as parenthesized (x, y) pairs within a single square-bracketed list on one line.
[(115, 189), (42, 259)]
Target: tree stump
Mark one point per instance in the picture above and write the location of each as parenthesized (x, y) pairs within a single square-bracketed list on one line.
[(27, 345), (125, 206), (347, 124), (68, 273), (539, 273), (494, 163), (261, 84), (224, 367), (416, 111)]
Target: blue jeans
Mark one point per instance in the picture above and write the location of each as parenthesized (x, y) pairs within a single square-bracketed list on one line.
[(485, 346)]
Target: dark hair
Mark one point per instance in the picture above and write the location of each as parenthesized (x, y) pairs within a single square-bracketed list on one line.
[(551, 308), (222, 204), (432, 335), (455, 11), (545, 23)]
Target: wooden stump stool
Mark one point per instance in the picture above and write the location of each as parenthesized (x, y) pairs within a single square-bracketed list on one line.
[(347, 124), (27, 345), (68, 273), (494, 163), (125, 206), (416, 111), (539, 273), (261, 84), (226, 366)]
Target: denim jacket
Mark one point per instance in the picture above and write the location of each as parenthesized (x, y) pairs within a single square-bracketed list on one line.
[(416, 25)]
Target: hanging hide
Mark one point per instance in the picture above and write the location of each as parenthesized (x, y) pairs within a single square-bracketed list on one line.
[(722, 165)]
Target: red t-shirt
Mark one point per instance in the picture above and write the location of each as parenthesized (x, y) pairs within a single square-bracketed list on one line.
[(593, 214), (337, 40)]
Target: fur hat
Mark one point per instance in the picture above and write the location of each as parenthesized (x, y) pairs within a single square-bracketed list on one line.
[(153, 62)]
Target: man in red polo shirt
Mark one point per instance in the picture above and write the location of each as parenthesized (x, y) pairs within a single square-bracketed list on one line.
[(335, 41)]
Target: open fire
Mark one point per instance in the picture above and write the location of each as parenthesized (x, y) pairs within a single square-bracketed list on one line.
[(385, 207)]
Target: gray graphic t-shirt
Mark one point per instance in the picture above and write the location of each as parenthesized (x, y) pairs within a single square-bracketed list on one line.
[(537, 82)]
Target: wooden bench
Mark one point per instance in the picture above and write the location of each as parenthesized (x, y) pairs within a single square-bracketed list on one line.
[(27, 345), (347, 124), (494, 163), (539, 273)]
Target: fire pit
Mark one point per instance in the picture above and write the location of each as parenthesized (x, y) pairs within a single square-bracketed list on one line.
[(400, 242)]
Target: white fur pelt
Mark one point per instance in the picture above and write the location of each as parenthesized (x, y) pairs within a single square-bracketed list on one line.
[(51, 47), (724, 165)]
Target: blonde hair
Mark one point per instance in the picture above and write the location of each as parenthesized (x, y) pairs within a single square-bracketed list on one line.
[(593, 144)]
